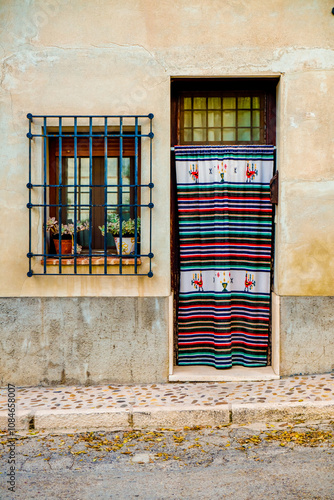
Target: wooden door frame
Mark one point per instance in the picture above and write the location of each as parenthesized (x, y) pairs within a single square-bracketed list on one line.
[(266, 86)]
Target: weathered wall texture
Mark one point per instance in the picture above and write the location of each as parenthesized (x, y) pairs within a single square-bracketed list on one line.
[(307, 340), (117, 57), (102, 57), (305, 256), (83, 340)]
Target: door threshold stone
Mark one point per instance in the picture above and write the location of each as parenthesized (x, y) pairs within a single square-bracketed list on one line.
[(210, 374)]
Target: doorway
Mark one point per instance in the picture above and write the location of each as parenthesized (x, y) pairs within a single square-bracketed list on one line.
[(218, 112)]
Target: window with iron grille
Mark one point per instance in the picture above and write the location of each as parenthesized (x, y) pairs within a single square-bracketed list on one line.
[(90, 199)]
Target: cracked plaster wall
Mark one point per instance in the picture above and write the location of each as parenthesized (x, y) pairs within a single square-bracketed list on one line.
[(88, 57), (78, 56)]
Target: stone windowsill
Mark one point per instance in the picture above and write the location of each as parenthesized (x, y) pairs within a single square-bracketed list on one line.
[(112, 260)]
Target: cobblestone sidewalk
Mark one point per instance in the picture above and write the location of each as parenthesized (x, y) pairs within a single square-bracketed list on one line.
[(299, 392)]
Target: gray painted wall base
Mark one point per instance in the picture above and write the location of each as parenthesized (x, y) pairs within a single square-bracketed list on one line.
[(91, 340), (306, 335)]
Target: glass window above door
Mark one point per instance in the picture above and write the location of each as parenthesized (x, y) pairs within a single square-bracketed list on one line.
[(222, 119)]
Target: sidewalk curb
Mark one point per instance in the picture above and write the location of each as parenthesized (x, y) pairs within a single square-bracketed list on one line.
[(268, 412), (171, 416), (168, 416)]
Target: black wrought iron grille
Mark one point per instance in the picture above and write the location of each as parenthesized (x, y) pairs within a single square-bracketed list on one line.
[(49, 195)]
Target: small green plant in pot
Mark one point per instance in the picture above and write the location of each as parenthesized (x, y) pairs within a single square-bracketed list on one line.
[(128, 232), (67, 234)]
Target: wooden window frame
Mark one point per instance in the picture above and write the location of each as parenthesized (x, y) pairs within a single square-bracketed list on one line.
[(68, 151)]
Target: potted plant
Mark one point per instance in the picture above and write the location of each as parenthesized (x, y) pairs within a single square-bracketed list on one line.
[(67, 234), (128, 232)]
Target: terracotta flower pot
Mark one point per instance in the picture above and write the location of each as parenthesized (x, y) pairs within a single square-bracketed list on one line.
[(66, 246)]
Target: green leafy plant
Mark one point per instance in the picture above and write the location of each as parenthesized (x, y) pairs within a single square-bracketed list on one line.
[(113, 226)]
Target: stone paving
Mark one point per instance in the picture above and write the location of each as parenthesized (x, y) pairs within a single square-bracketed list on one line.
[(311, 388)]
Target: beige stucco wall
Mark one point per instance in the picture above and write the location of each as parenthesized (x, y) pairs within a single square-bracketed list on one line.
[(92, 57)]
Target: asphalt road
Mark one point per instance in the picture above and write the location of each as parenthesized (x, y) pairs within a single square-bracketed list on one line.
[(249, 462)]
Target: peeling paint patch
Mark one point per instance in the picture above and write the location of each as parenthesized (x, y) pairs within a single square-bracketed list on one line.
[(293, 124)]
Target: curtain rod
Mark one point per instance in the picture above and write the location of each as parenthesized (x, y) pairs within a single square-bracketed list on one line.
[(203, 145)]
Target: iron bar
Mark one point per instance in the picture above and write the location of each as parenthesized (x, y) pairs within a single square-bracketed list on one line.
[(89, 116), (95, 135), (60, 180), (75, 236), (44, 192), (29, 203), (93, 185), (120, 200), (88, 205), (105, 239), (136, 193), (84, 255), (150, 274), (86, 274), (90, 191)]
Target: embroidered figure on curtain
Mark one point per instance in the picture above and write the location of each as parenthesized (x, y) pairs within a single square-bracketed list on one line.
[(225, 232)]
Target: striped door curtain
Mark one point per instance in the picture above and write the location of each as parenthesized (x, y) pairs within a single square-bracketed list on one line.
[(225, 231)]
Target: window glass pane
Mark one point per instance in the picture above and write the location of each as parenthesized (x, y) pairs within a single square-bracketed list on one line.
[(84, 170), (187, 103), (126, 170), (244, 118), (229, 102), (126, 195), (256, 118), (214, 135), (229, 134), (112, 177), (244, 134), (229, 118), (214, 118), (244, 102), (112, 165), (114, 192), (256, 103), (256, 134), (187, 135), (218, 118), (126, 201), (214, 102), (199, 102), (70, 170), (199, 134), (70, 174), (70, 190), (199, 118), (187, 119), (83, 180)]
